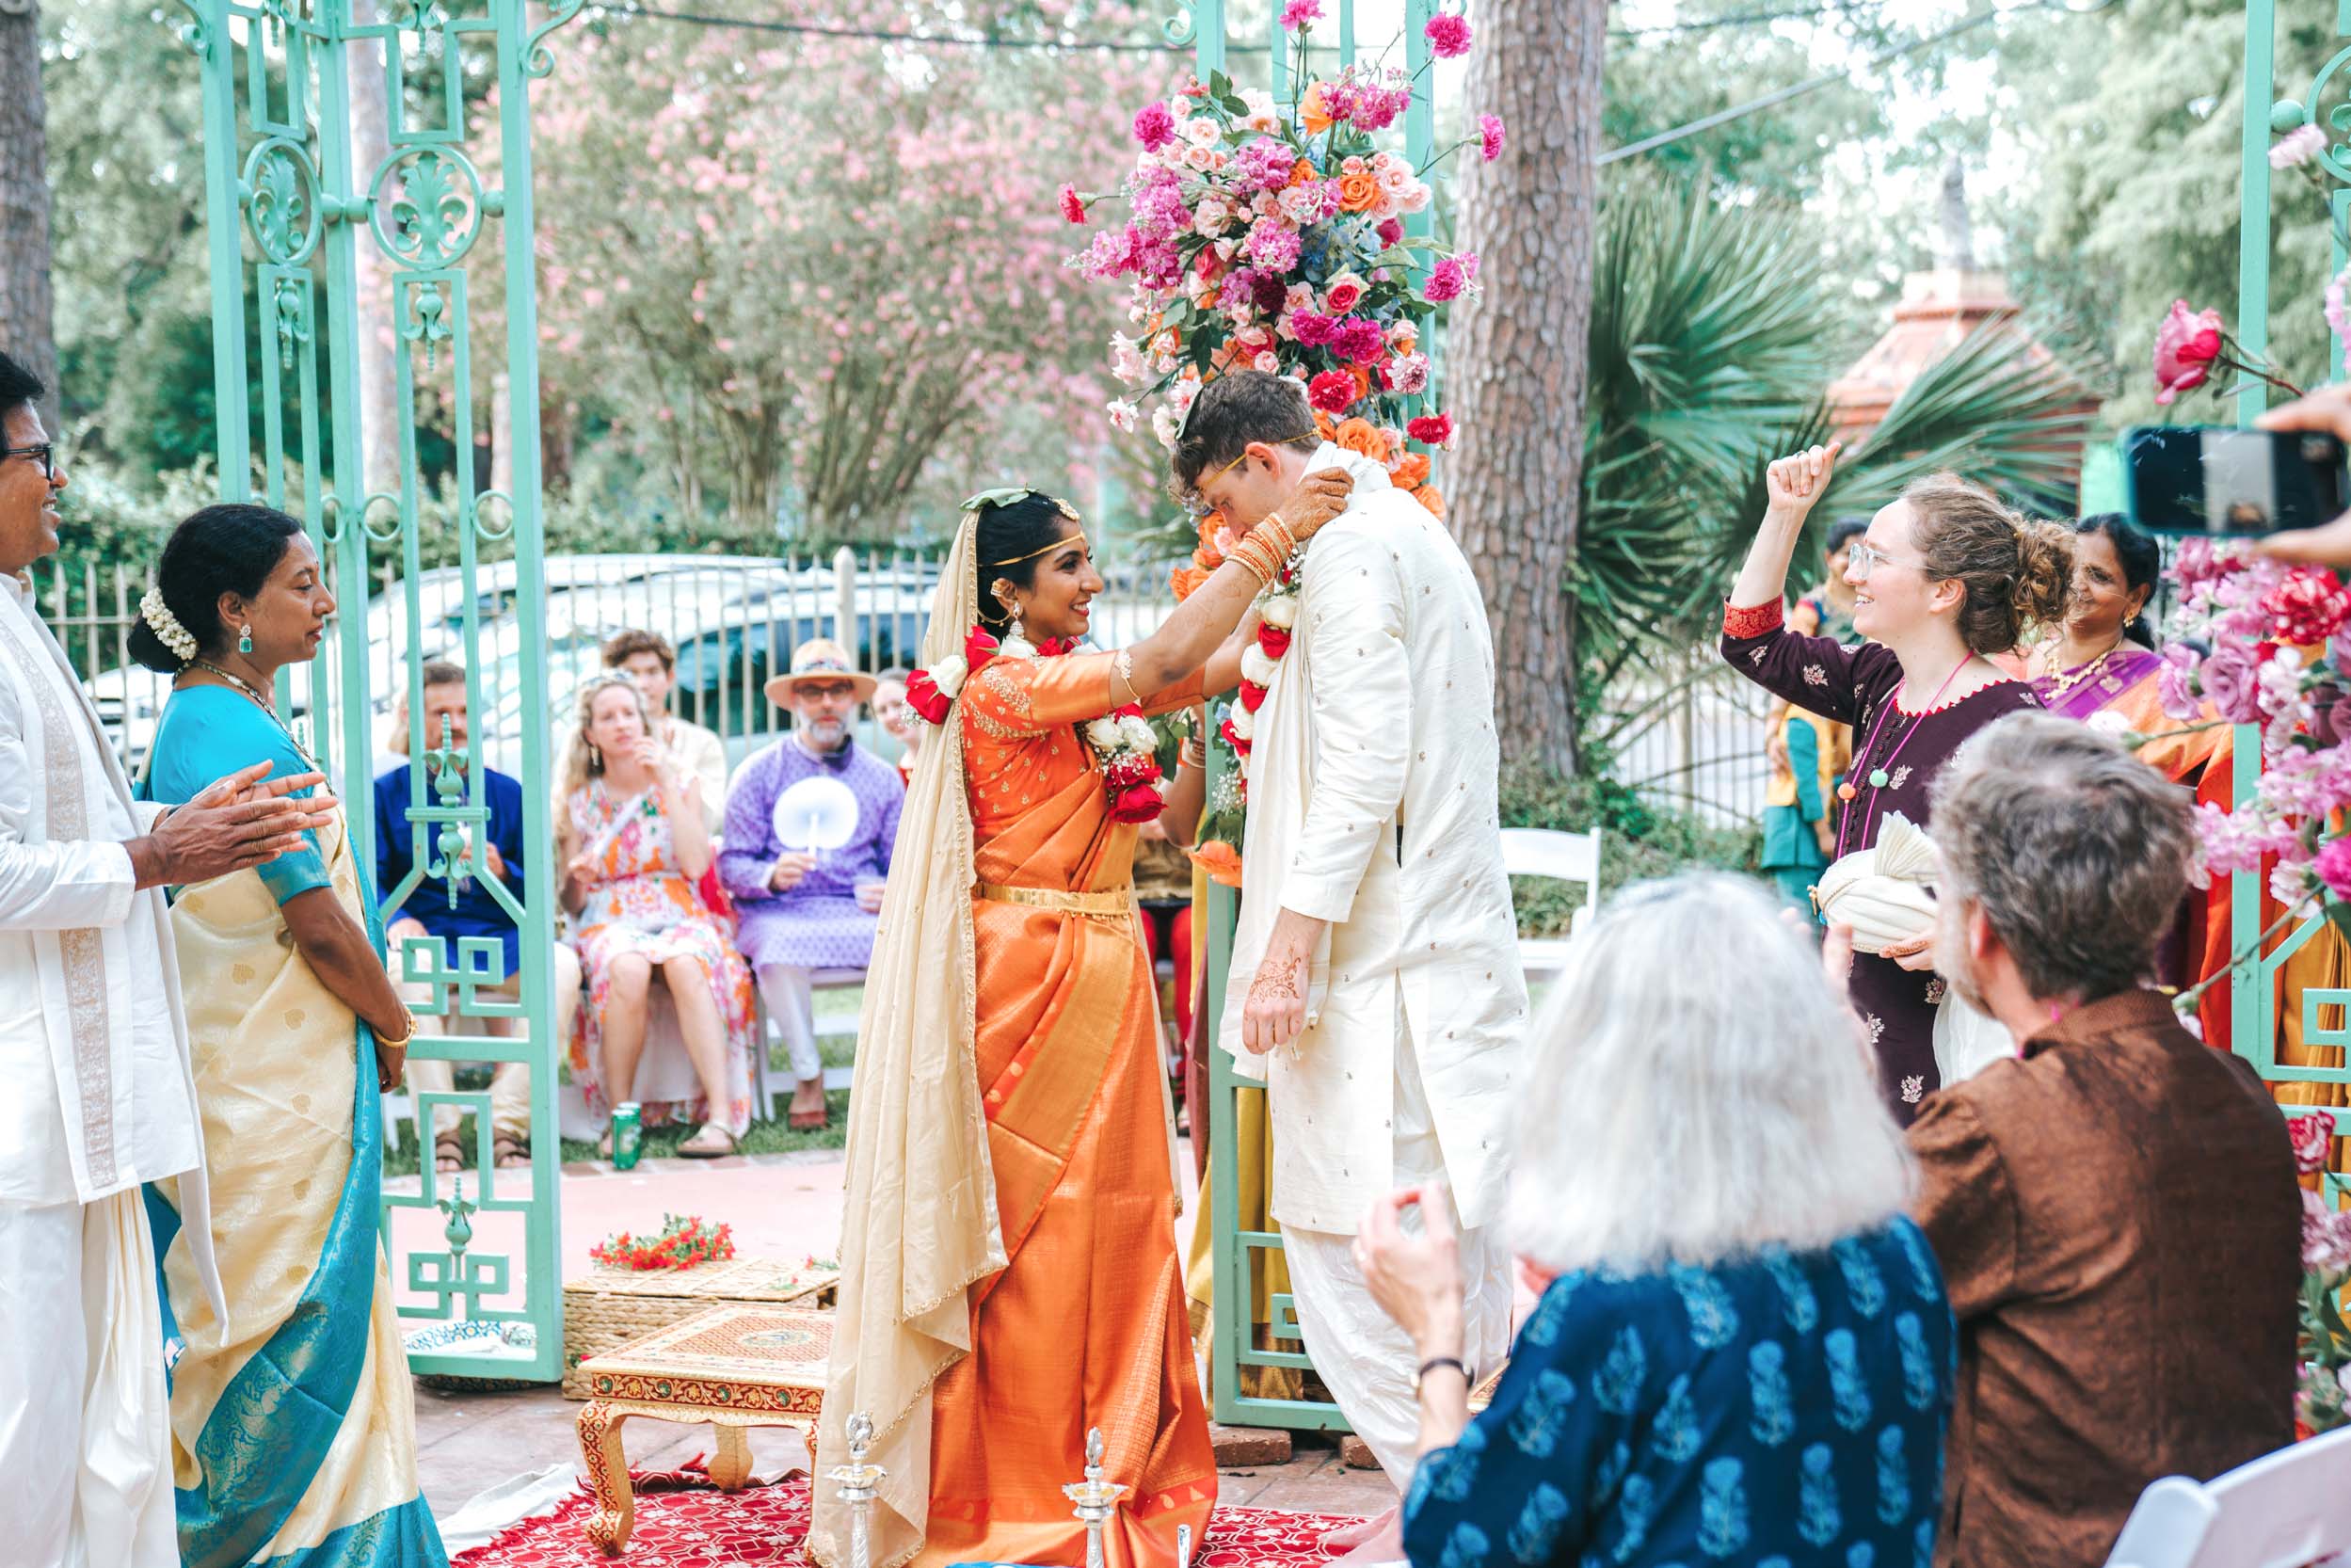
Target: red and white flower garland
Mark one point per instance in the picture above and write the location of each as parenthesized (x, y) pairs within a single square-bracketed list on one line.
[(1278, 619), (1124, 744)]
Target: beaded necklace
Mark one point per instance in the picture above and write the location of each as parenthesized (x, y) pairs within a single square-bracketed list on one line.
[(1879, 774)]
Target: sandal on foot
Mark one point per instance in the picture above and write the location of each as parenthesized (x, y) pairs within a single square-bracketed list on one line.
[(710, 1141), (508, 1152), (448, 1153), (810, 1113)]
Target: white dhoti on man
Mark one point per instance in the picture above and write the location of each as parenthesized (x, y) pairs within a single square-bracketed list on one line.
[(1372, 779), (100, 1100)]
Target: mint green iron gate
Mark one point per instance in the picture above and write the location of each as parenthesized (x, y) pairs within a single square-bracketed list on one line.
[(303, 219)]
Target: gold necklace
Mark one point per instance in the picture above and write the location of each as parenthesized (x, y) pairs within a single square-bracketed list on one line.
[(265, 704), (2060, 684)]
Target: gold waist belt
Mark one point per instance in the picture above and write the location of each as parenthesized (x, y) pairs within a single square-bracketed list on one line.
[(1119, 901)]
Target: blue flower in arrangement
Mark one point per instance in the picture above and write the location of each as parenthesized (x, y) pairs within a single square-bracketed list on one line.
[(1801, 1307), (1918, 1367), (1674, 1435), (1539, 1524), (1862, 1282), (1894, 1479), (1818, 1519), (1535, 1430), (1774, 1420), (1847, 1385), (1617, 1385), (1722, 1508)]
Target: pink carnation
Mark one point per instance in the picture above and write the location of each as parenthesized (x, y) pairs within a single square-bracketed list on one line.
[(2232, 677), (1155, 127), (1300, 13), (1490, 136), (1332, 392), (1274, 244), (1311, 329), (1448, 35), (1445, 282), (2174, 684), (1360, 340), (1072, 207), (1431, 429), (2326, 1236), (2310, 1134), (2333, 867)]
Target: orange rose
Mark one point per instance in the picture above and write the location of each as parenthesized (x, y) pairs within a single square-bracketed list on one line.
[(1361, 435), (1427, 495), (1404, 340), (1316, 119), (1185, 579), (1212, 530), (1322, 424), (1363, 381), (1412, 473), (1219, 860), (1358, 192)]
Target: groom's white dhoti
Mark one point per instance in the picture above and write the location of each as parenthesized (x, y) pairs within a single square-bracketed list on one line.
[(99, 1100), (1372, 780)]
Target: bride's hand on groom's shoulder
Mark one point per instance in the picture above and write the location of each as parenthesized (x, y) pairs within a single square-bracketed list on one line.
[(1319, 498)]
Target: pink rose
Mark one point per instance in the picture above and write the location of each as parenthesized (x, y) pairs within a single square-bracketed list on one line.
[(1390, 231), (1138, 803), (1343, 293), (2173, 687), (2312, 1135), (2186, 346), (2232, 677)]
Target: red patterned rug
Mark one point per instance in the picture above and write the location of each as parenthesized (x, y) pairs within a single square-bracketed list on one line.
[(682, 1523)]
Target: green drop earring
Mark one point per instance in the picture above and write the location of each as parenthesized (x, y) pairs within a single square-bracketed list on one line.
[(245, 639)]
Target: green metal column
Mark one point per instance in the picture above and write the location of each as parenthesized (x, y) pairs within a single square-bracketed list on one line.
[(2253, 1000), (278, 150)]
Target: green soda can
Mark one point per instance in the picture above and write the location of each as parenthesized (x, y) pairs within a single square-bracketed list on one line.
[(628, 1136)]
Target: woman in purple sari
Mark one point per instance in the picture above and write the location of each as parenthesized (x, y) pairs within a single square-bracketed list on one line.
[(1946, 578)]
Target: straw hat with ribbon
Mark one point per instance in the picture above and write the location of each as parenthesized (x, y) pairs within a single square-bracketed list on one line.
[(820, 660)]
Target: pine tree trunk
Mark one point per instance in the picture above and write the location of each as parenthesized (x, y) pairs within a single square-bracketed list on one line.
[(1514, 369), (27, 328)]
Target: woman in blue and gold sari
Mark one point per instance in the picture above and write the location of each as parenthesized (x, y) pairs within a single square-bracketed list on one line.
[(293, 1423)]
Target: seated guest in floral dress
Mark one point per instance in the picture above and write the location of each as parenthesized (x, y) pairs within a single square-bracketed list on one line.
[(1742, 1353), (804, 911), (636, 848)]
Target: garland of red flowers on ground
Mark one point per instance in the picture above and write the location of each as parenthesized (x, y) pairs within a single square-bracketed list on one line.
[(1124, 746), (684, 1242)]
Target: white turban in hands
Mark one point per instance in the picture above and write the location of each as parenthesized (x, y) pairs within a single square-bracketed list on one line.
[(1886, 895)]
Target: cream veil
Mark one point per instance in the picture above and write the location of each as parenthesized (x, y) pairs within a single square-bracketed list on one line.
[(918, 1223)]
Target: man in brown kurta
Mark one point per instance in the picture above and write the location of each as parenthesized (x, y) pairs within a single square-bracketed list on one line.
[(2114, 1211)]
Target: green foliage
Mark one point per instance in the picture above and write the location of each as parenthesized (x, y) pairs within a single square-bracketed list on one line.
[(1639, 840)]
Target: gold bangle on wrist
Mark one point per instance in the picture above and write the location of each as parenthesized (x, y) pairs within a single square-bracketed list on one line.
[(401, 1043)]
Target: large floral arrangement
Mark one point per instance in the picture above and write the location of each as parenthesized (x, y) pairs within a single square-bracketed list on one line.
[(1269, 237), (1272, 237)]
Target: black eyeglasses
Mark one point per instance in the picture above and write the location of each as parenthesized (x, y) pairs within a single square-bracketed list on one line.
[(45, 454)]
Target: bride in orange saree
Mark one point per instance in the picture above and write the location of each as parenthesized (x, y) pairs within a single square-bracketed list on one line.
[(1010, 1272)]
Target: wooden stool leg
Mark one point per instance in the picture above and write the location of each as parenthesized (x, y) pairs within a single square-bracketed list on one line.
[(730, 1468), (608, 1527)]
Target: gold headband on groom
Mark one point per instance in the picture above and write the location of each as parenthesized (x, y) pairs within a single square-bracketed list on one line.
[(1012, 495)]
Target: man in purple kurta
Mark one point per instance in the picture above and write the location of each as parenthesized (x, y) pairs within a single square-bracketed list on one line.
[(800, 913)]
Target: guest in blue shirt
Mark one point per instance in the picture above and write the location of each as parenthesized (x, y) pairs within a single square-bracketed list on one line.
[(417, 903), (1743, 1353)]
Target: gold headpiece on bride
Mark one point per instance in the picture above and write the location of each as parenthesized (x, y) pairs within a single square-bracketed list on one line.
[(1013, 494)]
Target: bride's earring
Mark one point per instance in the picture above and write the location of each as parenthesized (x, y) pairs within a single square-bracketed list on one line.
[(1015, 639)]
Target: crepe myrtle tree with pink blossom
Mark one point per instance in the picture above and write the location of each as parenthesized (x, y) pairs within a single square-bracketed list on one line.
[(823, 269)]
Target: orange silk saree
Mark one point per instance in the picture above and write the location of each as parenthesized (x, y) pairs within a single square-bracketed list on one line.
[(1085, 1327)]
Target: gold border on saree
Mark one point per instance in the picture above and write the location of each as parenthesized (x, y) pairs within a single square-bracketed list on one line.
[(1117, 902)]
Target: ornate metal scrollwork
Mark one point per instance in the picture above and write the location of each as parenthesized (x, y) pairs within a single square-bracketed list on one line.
[(538, 59), (431, 197), (282, 207), (1182, 27)]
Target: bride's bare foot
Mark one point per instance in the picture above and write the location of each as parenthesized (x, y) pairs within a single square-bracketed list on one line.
[(1375, 1539)]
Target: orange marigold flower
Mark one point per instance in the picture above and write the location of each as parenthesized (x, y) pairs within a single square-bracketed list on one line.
[(1427, 495), (1219, 860)]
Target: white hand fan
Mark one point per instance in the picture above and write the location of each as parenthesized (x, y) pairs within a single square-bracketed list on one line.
[(815, 815), (1882, 892)]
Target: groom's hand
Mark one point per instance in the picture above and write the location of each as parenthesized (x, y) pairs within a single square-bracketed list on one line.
[(1275, 1012)]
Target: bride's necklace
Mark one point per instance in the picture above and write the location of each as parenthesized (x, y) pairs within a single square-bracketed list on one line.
[(265, 704)]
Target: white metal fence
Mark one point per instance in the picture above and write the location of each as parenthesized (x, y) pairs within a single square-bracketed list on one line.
[(1687, 733)]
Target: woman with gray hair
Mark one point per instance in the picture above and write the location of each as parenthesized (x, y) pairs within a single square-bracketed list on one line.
[(1743, 1350)]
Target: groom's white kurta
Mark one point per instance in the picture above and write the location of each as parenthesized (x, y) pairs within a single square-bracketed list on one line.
[(1372, 779), (1372, 785), (99, 1100)]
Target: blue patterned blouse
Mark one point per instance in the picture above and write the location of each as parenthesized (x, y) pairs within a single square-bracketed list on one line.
[(1782, 1411)]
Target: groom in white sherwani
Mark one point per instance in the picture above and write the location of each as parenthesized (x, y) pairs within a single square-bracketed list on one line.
[(1375, 983)]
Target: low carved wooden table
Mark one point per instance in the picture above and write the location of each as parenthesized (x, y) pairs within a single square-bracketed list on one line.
[(734, 1368)]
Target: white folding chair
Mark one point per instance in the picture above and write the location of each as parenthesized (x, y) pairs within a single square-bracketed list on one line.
[(773, 1083), (1564, 858), (2284, 1510)]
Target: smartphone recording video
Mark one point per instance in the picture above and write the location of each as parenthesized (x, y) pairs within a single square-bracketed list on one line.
[(2218, 480)]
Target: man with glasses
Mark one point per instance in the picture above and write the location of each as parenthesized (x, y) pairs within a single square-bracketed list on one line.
[(101, 1093), (808, 903)]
